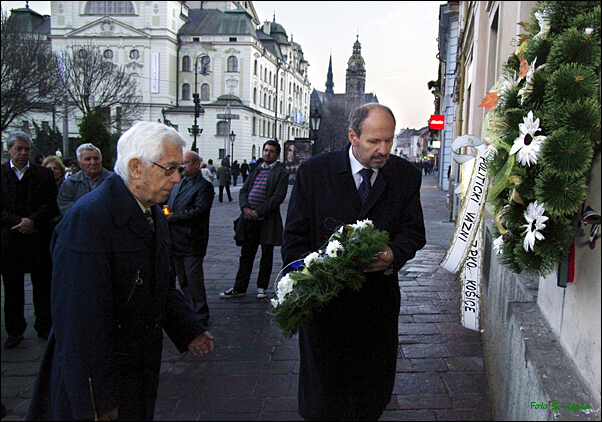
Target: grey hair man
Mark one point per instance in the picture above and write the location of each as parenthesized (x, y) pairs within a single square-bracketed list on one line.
[(91, 175), (28, 207), (114, 291)]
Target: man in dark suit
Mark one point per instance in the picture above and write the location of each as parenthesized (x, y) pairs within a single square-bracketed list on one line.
[(349, 349), (28, 207), (113, 290), (189, 212)]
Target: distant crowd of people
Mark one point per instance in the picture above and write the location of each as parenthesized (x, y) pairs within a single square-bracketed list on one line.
[(106, 251)]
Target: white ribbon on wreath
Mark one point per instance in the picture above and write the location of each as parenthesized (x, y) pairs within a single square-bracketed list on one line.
[(465, 252)]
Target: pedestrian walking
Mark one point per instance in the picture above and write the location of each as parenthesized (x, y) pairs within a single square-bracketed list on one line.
[(348, 350), (188, 212), (211, 168), (28, 207), (207, 175), (260, 222), (223, 177), (244, 170), (113, 291), (235, 171)]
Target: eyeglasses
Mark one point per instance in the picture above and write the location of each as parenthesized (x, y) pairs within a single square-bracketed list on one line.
[(171, 169)]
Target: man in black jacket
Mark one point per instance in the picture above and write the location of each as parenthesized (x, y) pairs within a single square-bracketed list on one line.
[(349, 349), (189, 212), (28, 206), (260, 222)]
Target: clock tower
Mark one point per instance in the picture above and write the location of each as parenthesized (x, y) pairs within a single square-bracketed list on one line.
[(355, 79)]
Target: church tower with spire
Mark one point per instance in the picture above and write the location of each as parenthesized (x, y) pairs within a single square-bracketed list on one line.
[(330, 80), (355, 79)]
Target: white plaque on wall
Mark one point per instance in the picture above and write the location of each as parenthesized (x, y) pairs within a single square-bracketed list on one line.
[(154, 73)]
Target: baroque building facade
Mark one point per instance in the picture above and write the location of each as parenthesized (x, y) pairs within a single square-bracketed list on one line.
[(217, 49)]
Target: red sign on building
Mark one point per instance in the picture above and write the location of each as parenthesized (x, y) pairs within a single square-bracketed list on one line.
[(437, 121)]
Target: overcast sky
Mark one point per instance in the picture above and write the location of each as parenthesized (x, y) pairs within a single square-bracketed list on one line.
[(399, 46)]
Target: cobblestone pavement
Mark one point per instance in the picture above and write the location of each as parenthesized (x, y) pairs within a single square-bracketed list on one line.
[(253, 372)]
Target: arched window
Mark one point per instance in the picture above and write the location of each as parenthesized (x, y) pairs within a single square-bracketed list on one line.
[(109, 8), (255, 69), (185, 92), (264, 128), (232, 64), (265, 97), (254, 125), (254, 95), (186, 64), (265, 75), (260, 71), (222, 128), (270, 103), (270, 80), (205, 92)]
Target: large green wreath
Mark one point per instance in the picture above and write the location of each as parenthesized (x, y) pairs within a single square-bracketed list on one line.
[(545, 125)]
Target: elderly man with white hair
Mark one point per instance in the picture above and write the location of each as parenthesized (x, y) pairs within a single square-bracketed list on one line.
[(113, 290)]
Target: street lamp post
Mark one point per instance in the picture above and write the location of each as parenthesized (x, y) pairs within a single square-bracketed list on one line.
[(315, 119), (232, 137), (198, 108)]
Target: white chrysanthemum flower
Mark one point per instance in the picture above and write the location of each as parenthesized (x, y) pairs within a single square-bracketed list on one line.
[(535, 223), (275, 302), (509, 81), (527, 145), (309, 258), (544, 24), (589, 31), (497, 244), (361, 224), (284, 287), (333, 247)]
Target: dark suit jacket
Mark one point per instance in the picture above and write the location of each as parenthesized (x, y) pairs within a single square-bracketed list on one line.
[(349, 349), (33, 197), (191, 207), (113, 293)]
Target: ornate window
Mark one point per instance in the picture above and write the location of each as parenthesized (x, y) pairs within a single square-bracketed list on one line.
[(255, 70), (109, 8), (108, 54), (254, 95), (185, 91), (186, 64), (134, 54), (232, 64), (254, 125), (205, 92)]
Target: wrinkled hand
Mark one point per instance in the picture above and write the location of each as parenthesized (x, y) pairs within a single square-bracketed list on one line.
[(382, 261), (111, 416), (201, 345), (25, 226)]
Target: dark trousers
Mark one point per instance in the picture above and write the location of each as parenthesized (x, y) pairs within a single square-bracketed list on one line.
[(221, 192), (234, 178), (14, 301), (252, 235), (189, 270)]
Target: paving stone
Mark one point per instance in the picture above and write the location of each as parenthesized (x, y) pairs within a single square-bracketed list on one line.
[(465, 382), (465, 364), (424, 351), (424, 401), (418, 383), (429, 365)]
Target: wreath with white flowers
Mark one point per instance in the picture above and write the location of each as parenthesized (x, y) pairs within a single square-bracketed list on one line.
[(544, 121)]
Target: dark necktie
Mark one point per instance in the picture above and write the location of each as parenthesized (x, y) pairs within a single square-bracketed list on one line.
[(149, 217), (365, 186)]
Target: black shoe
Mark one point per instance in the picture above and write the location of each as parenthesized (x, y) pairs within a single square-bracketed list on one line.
[(231, 293), (13, 341)]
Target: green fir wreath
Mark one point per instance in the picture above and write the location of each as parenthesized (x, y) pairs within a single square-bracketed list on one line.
[(544, 122)]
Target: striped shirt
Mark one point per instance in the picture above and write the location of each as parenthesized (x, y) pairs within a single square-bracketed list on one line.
[(257, 196)]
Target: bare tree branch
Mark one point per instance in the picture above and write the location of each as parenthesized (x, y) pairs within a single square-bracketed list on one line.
[(29, 72), (92, 83), (333, 129)]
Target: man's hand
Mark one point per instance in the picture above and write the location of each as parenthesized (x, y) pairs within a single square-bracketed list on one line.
[(25, 226), (201, 345), (249, 214), (111, 416), (383, 260)]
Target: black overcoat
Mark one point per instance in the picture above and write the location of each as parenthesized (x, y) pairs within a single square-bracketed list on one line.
[(113, 293), (33, 197), (349, 349), (191, 208)]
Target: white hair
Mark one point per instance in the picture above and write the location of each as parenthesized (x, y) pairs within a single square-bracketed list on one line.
[(144, 140), (87, 147)]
